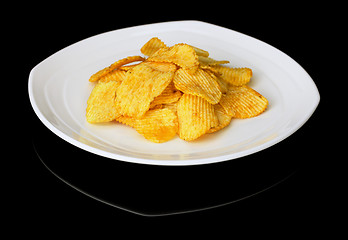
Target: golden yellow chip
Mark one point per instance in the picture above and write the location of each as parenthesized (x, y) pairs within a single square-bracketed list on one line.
[(115, 65), (181, 54), (152, 46), (101, 103), (196, 116), (158, 125), (201, 83), (141, 85), (243, 102), (223, 117), (234, 76)]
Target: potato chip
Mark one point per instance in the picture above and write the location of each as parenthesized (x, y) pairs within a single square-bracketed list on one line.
[(181, 54), (101, 103), (234, 76), (142, 84), (196, 116), (159, 125), (243, 102), (152, 46), (201, 83), (115, 65), (223, 117)]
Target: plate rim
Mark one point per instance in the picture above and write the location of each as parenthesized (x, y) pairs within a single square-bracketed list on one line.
[(59, 133)]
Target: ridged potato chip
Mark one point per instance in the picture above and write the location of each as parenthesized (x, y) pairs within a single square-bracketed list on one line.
[(201, 83), (196, 116), (159, 125), (181, 54), (142, 84), (243, 102), (152, 46), (115, 65), (234, 76), (101, 103)]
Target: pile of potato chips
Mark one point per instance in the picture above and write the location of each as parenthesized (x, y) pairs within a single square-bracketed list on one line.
[(174, 90)]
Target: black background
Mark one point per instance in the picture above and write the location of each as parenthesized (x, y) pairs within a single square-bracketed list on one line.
[(293, 205)]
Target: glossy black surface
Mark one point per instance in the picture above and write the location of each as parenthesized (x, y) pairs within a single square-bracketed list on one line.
[(157, 190)]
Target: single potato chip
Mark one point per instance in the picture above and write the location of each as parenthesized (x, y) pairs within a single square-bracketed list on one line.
[(181, 54), (152, 46), (115, 65), (142, 84), (243, 102), (234, 76), (201, 83), (158, 125), (101, 103), (196, 116)]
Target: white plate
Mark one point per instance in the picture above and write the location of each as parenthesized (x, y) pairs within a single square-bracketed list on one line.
[(59, 89)]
